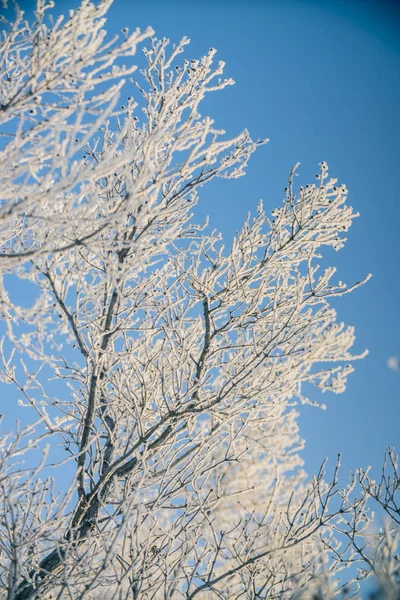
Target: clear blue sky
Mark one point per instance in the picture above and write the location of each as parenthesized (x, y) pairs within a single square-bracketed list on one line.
[(322, 81)]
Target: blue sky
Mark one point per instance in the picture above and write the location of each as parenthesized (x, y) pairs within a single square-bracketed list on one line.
[(321, 80)]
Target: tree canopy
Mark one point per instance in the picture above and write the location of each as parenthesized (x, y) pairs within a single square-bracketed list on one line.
[(158, 370)]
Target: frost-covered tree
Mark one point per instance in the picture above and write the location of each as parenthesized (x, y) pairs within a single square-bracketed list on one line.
[(158, 370)]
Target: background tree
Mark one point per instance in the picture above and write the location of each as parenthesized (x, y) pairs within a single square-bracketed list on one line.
[(178, 362)]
